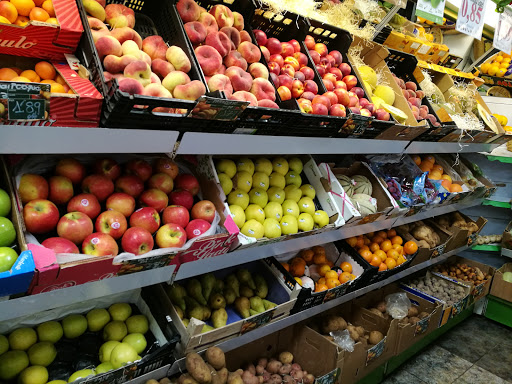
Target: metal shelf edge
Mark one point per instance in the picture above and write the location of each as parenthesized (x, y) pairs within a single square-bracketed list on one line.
[(439, 147)]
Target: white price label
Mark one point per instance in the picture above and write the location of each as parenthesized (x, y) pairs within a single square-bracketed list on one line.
[(432, 10), (470, 19), (503, 32)]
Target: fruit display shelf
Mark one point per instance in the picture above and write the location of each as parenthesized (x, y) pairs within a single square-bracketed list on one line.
[(434, 147)]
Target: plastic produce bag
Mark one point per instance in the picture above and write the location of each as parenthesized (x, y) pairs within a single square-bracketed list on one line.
[(397, 305), (343, 339)]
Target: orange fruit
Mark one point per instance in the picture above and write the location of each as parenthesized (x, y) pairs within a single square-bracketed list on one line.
[(416, 159), (437, 167), (367, 255), (331, 283), (370, 234), (360, 242), (295, 260), (324, 268), (331, 275), (346, 267), (425, 166), (21, 21), (38, 3), (344, 277), (286, 266), (398, 248), (21, 79), (393, 254), (48, 7), (329, 263), (3, 20), (391, 233), (7, 74), (410, 247), (319, 259), (365, 247), (374, 247), (31, 75), (318, 249), (375, 261), (390, 263), (382, 234), (430, 159), (305, 254), (366, 241), (381, 254), (53, 20), (9, 11), (444, 176), (45, 70), (17, 70), (296, 270), (23, 6), (383, 267), (71, 92), (321, 280), (446, 184), (397, 240), (400, 260), (321, 287), (377, 239), (38, 14), (434, 175), (386, 245), (455, 188), (352, 241)]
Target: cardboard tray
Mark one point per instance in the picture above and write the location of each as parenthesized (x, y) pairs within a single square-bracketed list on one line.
[(461, 237), (192, 339), (501, 288)]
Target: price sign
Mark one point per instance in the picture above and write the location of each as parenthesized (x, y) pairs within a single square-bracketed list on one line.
[(503, 32), (26, 109), (470, 19), (432, 10)]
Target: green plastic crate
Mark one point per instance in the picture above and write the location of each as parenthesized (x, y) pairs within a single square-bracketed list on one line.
[(499, 310)]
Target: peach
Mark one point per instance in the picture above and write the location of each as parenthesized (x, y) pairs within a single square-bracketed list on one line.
[(109, 76), (118, 16), (178, 58), (161, 67), (155, 47), (108, 45), (126, 33), (173, 79), (238, 21), (98, 28), (156, 90), (188, 10), (265, 103), (245, 96), (9, 11), (138, 70), (234, 35), (131, 86), (221, 70), (263, 89), (240, 80), (190, 91), (258, 70), (235, 59), (223, 15), (209, 59), (411, 85), (144, 56), (284, 93), (195, 31), (261, 37), (209, 22), (250, 52), (116, 64), (155, 79), (220, 83), (265, 52), (219, 41), (130, 47)]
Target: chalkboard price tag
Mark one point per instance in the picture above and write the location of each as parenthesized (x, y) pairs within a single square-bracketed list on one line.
[(26, 109)]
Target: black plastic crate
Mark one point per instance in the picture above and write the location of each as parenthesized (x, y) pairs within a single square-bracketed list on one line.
[(383, 34)]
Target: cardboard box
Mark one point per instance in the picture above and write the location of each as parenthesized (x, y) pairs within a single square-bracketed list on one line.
[(499, 287), (44, 40), (461, 237), (506, 239), (309, 349), (192, 338)]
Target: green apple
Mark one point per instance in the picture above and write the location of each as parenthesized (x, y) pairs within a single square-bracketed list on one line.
[(258, 196), (226, 166), (120, 311), (321, 218), (35, 374), (308, 190), (22, 339), (273, 210), (50, 331), (243, 181), (305, 222), (123, 354), (292, 192), (8, 257), (137, 324), (261, 180), (137, 341), (12, 363), (277, 180), (106, 350), (272, 228), (255, 212), (42, 353), (5, 203), (74, 326), (238, 197), (97, 318), (276, 194), (245, 164), (307, 205), (280, 165), (114, 331), (293, 178), (263, 165), (253, 228), (290, 207), (226, 183), (238, 215), (4, 344), (295, 165), (7, 232), (83, 373), (104, 367), (289, 225)]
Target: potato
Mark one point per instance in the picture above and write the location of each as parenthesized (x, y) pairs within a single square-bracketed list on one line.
[(381, 306), (422, 315), (285, 369), (360, 330), (165, 380), (413, 311), (222, 375), (249, 378), (413, 320), (375, 337), (215, 356), (263, 362), (274, 366), (354, 335), (198, 369), (297, 375), (376, 311), (152, 381), (287, 379), (260, 370), (251, 368), (309, 379), (296, 367), (286, 357), (333, 323), (186, 379)]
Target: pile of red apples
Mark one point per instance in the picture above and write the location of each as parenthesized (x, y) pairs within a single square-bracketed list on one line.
[(145, 67), (226, 54), (114, 205)]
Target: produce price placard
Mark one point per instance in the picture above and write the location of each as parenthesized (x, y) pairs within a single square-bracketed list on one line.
[(470, 19), (212, 108), (503, 32), (24, 101), (432, 10)]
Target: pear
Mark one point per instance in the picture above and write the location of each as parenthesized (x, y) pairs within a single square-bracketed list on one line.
[(245, 291), (257, 304), (233, 283), (252, 312), (179, 312), (229, 296), (217, 301), (176, 293), (207, 282), (219, 318), (268, 305), (207, 313), (242, 305), (195, 290), (186, 322), (244, 276), (207, 328), (197, 313), (261, 286), (218, 287)]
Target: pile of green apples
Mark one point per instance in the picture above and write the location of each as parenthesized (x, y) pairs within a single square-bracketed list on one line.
[(8, 256), (267, 197)]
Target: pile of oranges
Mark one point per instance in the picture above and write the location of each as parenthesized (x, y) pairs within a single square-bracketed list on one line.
[(436, 172), (383, 249), (321, 270), (498, 67), (21, 12), (43, 72)]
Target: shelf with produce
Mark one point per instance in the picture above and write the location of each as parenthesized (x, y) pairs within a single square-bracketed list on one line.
[(498, 204), (19, 139), (438, 147), (487, 247)]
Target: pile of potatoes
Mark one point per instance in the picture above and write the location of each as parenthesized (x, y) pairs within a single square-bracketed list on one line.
[(455, 219), (424, 235), (276, 371), (462, 272), (440, 288), (413, 315)]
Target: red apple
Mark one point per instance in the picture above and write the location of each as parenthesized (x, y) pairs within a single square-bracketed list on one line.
[(41, 216), (351, 81), (161, 181), (33, 187), (277, 58), (61, 189), (345, 69), (196, 228), (176, 214), (187, 182), (287, 49), (297, 89), (381, 114), (203, 210), (274, 67), (363, 102), (315, 56), (343, 97), (166, 165), (100, 244), (181, 197), (308, 95), (320, 109), (86, 203), (371, 108), (75, 227), (318, 99), (325, 63), (275, 79), (295, 44), (112, 223), (154, 198), (299, 76), (70, 168), (338, 110), (355, 110), (321, 70), (331, 76), (171, 236), (354, 101), (310, 86), (336, 72), (287, 69), (121, 202), (130, 184), (285, 81), (98, 185), (308, 73), (139, 168), (137, 241), (301, 58), (331, 60), (333, 98), (340, 84), (107, 167), (358, 91), (328, 84), (273, 45), (261, 37), (146, 218), (60, 245), (338, 57)]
